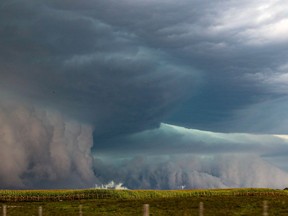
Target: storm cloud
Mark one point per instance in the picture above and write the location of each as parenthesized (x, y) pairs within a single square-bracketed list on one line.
[(40, 147), (179, 140), (83, 81), (206, 171)]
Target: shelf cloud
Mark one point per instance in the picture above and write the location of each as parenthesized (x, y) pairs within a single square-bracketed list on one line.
[(85, 89)]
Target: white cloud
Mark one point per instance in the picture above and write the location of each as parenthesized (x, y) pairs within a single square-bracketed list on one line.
[(275, 32)]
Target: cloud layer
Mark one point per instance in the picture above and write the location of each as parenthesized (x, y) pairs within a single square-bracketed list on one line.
[(170, 139), (222, 171), (104, 75), (85, 67), (41, 148)]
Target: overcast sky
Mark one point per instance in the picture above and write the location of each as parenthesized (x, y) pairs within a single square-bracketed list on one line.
[(135, 78)]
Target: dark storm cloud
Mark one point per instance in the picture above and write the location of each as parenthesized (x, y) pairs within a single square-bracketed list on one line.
[(64, 74), (94, 71), (113, 56), (121, 68), (267, 117), (169, 140), (233, 43)]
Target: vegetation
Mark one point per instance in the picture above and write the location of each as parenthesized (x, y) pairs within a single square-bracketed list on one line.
[(130, 202), (56, 195)]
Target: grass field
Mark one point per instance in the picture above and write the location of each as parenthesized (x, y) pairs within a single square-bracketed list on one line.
[(130, 202)]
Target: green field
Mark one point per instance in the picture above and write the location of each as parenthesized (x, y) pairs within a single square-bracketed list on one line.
[(130, 202)]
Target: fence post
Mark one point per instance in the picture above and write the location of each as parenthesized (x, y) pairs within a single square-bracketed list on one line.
[(265, 208), (201, 209), (40, 211), (146, 210), (80, 210), (4, 210)]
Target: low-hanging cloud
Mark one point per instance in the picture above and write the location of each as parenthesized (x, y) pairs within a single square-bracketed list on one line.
[(188, 171), (76, 76), (171, 139), (103, 75), (172, 156), (42, 148)]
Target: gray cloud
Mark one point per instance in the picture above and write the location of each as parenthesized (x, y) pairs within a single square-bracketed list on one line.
[(118, 69), (193, 172), (95, 72), (269, 116), (227, 159), (170, 139), (81, 50), (41, 148)]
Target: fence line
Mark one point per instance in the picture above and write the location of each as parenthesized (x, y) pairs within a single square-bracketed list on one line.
[(145, 209)]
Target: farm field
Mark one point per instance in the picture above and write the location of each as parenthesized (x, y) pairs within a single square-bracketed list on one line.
[(130, 202)]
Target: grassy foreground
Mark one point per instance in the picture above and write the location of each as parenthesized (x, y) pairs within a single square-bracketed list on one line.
[(130, 202)]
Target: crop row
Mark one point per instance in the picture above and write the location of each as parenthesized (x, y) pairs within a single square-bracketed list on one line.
[(59, 195)]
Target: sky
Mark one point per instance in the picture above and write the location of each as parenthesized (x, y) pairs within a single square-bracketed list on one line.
[(153, 94)]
